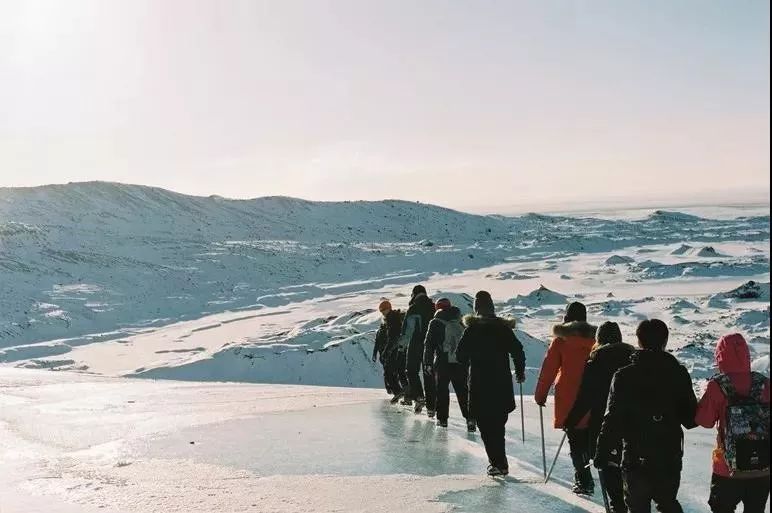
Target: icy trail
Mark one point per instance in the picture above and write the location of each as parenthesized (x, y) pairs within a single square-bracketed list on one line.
[(74, 443)]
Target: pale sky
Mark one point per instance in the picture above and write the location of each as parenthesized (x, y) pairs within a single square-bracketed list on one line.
[(459, 103)]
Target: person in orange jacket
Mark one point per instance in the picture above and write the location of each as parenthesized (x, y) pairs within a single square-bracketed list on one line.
[(563, 367)]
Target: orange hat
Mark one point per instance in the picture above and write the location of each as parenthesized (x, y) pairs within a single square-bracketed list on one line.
[(385, 306)]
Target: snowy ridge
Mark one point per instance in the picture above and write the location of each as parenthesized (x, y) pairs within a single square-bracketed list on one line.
[(89, 258)]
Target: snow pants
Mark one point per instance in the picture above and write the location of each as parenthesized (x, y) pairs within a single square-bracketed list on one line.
[(445, 374), (492, 431), (727, 493), (642, 486), (391, 372), (579, 443), (397, 371), (418, 391), (612, 480)]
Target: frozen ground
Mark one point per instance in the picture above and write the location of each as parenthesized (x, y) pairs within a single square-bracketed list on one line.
[(106, 282), (74, 443)]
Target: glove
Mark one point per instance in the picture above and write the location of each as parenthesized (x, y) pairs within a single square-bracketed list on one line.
[(541, 403)]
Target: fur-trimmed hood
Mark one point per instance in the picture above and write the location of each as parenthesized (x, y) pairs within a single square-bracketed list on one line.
[(574, 329), (473, 319)]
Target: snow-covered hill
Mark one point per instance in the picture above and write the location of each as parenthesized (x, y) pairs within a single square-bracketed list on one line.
[(88, 258)]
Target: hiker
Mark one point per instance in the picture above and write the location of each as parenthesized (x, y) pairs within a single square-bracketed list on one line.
[(386, 343), (564, 366), (485, 348), (442, 338), (420, 311), (607, 356), (650, 400), (737, 476)]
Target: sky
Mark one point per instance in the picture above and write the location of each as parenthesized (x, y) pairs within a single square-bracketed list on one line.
[(474, 105)]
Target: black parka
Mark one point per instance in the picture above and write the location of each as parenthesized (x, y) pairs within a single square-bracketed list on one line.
[(414, 326), (601, 365), (650, 400), (486, 346)]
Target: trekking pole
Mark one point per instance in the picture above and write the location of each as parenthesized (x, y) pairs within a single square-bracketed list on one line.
[(552, 467), (602, 481), (522, 413), (543, 449)]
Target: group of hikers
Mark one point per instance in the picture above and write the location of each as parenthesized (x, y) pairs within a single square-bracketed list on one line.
[(623, 408)]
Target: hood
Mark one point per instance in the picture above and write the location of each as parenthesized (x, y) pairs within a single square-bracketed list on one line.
[(417, 298), (654, 359), (574, 329), (733, 355), (421, 301), (619, 351), (449, 314), (472, 320)]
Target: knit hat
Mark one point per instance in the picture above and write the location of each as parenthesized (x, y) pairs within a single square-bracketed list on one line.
[(385, 306), (443, 304), (575, 312), (483, 304), (608, 333)]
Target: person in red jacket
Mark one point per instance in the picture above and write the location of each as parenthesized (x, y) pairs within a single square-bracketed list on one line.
[(564, 366), (734, 360)]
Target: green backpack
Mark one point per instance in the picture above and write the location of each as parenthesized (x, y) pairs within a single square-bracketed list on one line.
[(745, 437)]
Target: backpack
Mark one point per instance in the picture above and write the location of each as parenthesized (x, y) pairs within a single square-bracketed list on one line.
[(453, 333), (745, 437), (658, 427)]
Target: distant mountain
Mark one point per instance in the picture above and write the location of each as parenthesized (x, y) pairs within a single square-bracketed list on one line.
[(139, 210)]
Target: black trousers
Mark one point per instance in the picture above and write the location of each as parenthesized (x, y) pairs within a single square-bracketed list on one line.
[(445, 374), (612, 480), (391, 368), (492, 431), (644, 486), (579, 443), (430, 389), (397, 370), (727, 493)]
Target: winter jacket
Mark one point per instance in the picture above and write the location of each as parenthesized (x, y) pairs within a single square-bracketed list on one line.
[(435, 336), (649, 401), (486, 346), (414, 326), (564, 366), (733, 359), (387, 336), (603, 362)]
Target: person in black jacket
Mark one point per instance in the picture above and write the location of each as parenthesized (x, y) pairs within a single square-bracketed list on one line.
[(386, 344), (420, 311), (442, 338), (650, 400), (485, 347), (608, 356)]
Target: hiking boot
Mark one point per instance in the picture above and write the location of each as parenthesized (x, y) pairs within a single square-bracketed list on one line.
[(419, 406), (406, 402), (431, 414), (442, 423), (583, 488), (396, 398), (471, 425), (494, 471)]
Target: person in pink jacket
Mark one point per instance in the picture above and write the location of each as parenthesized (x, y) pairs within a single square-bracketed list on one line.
[(727, 491)]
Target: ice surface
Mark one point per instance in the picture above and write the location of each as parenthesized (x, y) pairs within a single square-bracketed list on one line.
[(200, 448)]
